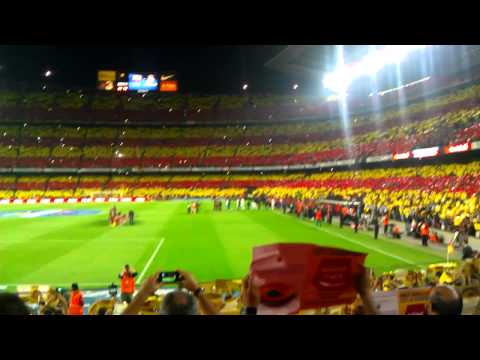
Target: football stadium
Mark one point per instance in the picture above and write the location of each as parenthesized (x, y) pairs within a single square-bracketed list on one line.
[(137, 195)]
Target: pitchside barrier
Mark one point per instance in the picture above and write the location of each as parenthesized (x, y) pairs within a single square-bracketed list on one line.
[(97, 200)]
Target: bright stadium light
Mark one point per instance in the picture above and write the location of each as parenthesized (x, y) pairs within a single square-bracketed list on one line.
[(341, 78), (48, 73), (295, 87), (245, 87)]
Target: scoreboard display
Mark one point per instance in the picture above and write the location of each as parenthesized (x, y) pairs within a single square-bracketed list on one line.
[(110, 80), (106, 80), (142, 83)]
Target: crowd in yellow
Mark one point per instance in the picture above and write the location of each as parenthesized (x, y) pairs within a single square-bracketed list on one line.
[(449, 191)]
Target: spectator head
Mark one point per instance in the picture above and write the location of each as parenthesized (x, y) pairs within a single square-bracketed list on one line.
[(179, 302), (11, 304), (466, 241), (127, 267), (74, 286), (102, 311), (446, 301)]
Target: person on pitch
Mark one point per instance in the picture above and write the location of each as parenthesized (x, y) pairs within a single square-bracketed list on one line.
[(127, 284), (112, 214), (385, 224), (355, 223), (376, 227), (424, 233), (318, 216)]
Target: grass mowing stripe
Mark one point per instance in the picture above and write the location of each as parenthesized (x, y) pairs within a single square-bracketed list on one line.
[(149, 262), (358, 243), (368, 247)]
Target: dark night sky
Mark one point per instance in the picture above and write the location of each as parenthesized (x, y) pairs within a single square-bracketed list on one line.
[(209, 69)]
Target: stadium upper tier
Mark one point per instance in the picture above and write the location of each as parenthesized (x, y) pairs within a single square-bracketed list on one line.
[(448, 119), (73, 105)]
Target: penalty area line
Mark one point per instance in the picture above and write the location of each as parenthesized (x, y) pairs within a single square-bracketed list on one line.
[(149, 262)]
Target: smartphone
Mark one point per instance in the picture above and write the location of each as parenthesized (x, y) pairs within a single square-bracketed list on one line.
[(169, 277)]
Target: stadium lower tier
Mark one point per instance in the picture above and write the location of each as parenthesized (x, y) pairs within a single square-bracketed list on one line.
[(450, 191)]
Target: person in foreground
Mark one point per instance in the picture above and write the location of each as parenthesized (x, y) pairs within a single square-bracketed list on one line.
[(362, 286), (11, 304), (446, 301), (177, 302)]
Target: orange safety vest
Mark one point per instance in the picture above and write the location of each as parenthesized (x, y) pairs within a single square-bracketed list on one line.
[(76, 303), (385, 220), (127, 284), (424, 230)]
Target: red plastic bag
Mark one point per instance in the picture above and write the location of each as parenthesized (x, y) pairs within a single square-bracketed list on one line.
[(292, 277)]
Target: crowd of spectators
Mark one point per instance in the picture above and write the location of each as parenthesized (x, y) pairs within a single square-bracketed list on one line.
[(448, 119), (190, 298), (446, 196)]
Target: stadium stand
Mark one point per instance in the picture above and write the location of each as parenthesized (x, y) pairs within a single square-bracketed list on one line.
[(443, 120), (72, 130), (450, 190)]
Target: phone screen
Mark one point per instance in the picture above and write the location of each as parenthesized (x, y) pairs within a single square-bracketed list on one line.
[(168, 277)]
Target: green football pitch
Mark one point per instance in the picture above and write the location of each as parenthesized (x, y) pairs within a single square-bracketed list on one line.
[(59, 250)]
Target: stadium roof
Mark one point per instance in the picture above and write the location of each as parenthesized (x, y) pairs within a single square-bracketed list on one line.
[(313, 59), (312, 62), (200, 68)]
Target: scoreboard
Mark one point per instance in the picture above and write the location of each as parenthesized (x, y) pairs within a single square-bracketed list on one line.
[(111, 80)]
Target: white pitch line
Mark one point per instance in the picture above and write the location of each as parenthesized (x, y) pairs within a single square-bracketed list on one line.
[(359, 243), (369, 247), (149, 262)]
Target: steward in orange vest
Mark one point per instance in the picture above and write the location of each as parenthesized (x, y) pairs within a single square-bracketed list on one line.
[(318, 216), (385, 224), (424, 233), (76, 301), (127, 284)]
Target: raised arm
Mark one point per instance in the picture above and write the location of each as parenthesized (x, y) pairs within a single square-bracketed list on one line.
[(63, 301), (362, 285), (249, 296), (147, 289), (191, 285)]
